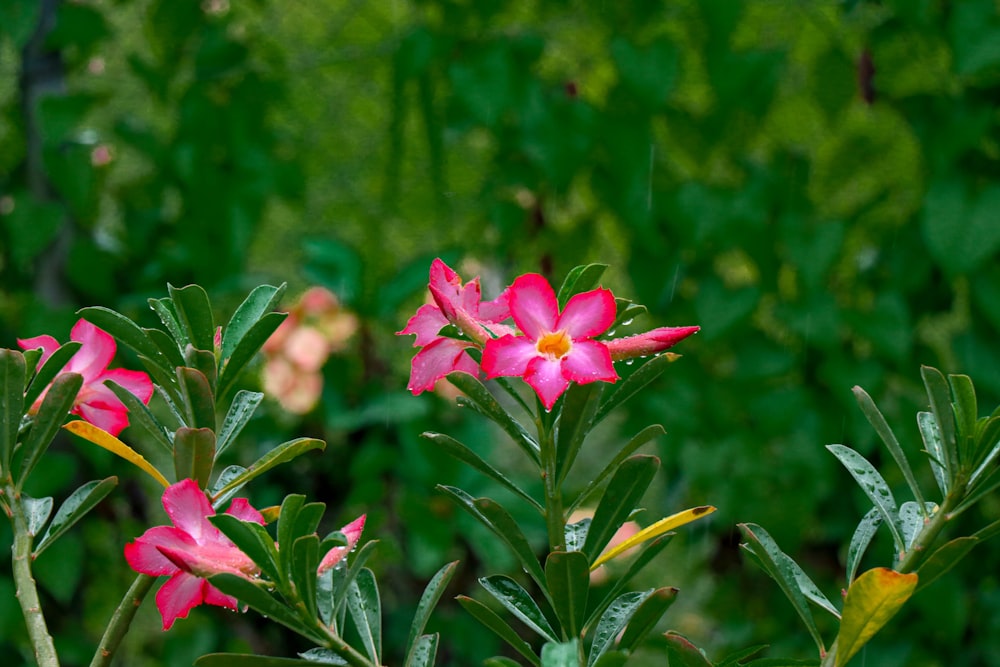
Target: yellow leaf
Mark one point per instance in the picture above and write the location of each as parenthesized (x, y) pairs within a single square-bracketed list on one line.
[(102, 438), (654, 530), (872, 600)]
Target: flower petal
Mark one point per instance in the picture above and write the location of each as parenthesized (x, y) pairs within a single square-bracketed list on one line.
[(588, 314), (179, 595), (508, 356), (100, 407), (241, 509), (545, 376), (496, 310), (136, 382), (144, 555), (214, 596), (446, 287), (352, 532), (187, 507), (96, 352), (47, 343), (589, 361), (425, 323), (433, 362), (533, 305)]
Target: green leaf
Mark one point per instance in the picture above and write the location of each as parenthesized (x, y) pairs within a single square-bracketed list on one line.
[(366, 611), (640, 439), (959, 225), (683, 653), (488, 618), (567, 575), (74, 508), (612, 659), (258, 303), (168, 347), (198, 400), (128, 332), (645, 618), (651, 551), (740, 656), (304, 561), (862, 537), (781, 662), (940, 400), (141, 416), (164, 309), (576, 417), (260, 600), (621, 496), (250, 660), (580, 279), (943, 559), (613, 621), (283, 453), (492, 515), (881, 427), (500, 661), (566, 654), (11, 402), (779, 567), (240, 411), (194, 454), (912, 520), (49, 370), (422, 652), (228, 474), (194, 311), (344, 578), (482, 401), (428, 601), (871, 601), (250, 343), (519, 602), (931, 436), (462, 452), (874, 486), (36, 512), (252, 539), (630, 386), (51, 414)]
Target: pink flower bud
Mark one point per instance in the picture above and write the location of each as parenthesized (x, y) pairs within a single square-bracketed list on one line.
[(647, 343)]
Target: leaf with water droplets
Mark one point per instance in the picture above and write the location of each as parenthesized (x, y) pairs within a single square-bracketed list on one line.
[(874, 486), (519, 602), (613, 621), (862, 537), (871, 601)]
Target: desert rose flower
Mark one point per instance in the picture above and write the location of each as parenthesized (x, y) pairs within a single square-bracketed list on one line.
[(649, 342), (95, 403), (189, 551)]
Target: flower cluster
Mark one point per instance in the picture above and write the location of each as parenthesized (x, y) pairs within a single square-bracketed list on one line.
[(547, 347)]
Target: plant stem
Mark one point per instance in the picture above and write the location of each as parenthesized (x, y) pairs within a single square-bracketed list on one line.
[(121, 620), (27, 592), (554, 520), (351, 655)]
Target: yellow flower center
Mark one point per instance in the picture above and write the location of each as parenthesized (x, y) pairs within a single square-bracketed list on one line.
[(554, 345)]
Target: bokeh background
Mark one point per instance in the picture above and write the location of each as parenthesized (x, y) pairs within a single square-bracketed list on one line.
[(814, 182)]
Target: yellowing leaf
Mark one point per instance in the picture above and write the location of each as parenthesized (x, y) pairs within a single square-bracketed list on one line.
[(654, 530), (872, 600), (102, 438)]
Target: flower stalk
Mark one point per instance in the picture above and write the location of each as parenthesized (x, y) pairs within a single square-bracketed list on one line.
[(121, 620)]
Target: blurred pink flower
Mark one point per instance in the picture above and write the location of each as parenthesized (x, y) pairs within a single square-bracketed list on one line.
[(556, 348), (649, 342), (189, 551), (296, 389), (352, 532), (95, 403), (625, 531)]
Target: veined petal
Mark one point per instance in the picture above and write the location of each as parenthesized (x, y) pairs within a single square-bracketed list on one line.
[(425, 323), (589, 361), (588, 314), (136, 382), (144, 555), (187, 507), (47, 343), (103, 415), (545, 376), (496, 310), (508, 355), (434, 361), (446, 287), (95, 353), (241, 509), (533, 305), (214, 596), (178, 595)]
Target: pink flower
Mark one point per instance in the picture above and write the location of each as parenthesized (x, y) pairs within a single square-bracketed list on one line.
[(352, 532), (190, 550), (460, 305), (556, 348), (95, 403), (649, 342)]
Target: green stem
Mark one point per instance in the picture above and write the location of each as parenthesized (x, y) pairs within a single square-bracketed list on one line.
[(350, 654), (27, 592), (121, 620), (554, 519)]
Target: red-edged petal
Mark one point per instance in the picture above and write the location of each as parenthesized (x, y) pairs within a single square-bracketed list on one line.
[(508, 356), (99, 406), (214, 596), (241, 509), (496, 310), (352, 532), (179, 595), (588, 314), (96, 352), (136, 382), (545, 376), (144, 555), (533, 305), (187, 507), (47, 343), (588, 361), (433, 362), (425, 323), (446, 287)]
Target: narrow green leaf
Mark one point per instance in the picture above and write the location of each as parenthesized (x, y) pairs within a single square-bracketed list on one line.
[(621, 496), (576, 534), (194, 454), (637, 441), (648, 553), (878, 422), (164, 309), (482, 401), (167, 346), (646, 617), (501, 661), (992, 530), (141, 416), (613, 621), (252, 539), (259, 302), (74, 508), (49, 370), (940, 399), (250, 660), (11, 402), (580, 279), (127, 332), (36, 512), (497, 519), (52, 413), (777, 565), (626, 311), (304, 561), (366, 611), (612, 659), (519, 602), (987, 449), (966, 409), (871, 601), (740, 656), (194, 311), (576, 418), (912, 520), (931, 436), (943, 559), (246, 349), (283, 453), (323, 656), (240, 411), (228, 474), (651, 369), (567, 575), (345, 577), (564, 654), (260, 600), (198, 400), (683, 653), (464, 454), (422, 652), (204, 362), (428, 601), (862, 537), (490, 620), (874, 486)]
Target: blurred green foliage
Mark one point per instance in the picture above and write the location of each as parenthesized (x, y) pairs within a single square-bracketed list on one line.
[(815, 183)]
